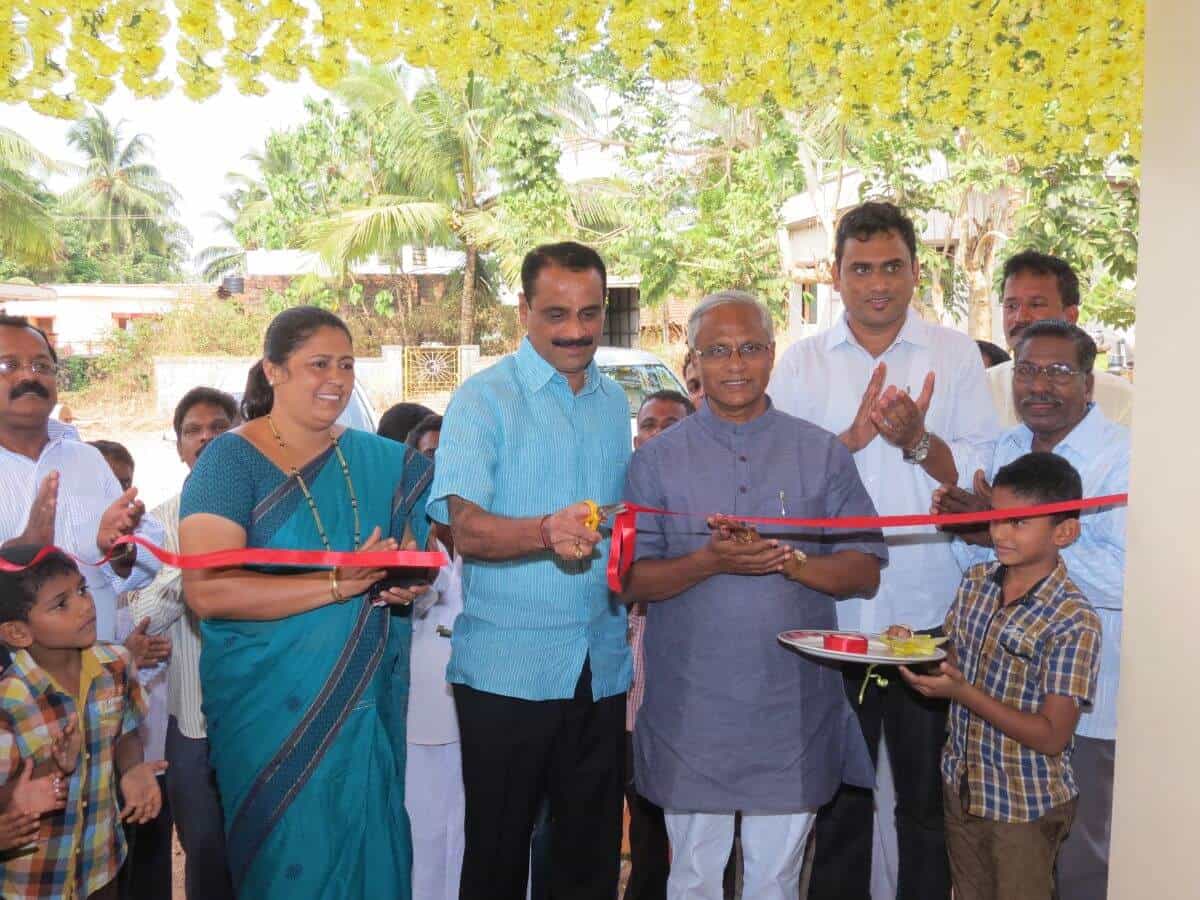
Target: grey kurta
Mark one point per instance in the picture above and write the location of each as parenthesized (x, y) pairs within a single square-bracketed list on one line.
[(733, 720)]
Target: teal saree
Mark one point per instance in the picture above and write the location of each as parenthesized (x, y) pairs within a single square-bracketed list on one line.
[(306, 715)]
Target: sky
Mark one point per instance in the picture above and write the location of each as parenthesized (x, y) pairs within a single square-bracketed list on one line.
[(193, 144)]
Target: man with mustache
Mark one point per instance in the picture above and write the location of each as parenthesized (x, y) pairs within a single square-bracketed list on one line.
[(1039, 286), (1052, 388), (539, 660), (909, 400), (56, 490), (202, 415)]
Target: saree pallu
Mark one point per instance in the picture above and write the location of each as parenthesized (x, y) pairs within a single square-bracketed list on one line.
[(306, 715)]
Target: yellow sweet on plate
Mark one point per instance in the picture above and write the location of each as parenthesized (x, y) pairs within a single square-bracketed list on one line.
[(916, 645)]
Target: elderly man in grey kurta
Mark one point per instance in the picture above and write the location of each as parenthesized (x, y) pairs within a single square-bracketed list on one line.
[(732, 721)]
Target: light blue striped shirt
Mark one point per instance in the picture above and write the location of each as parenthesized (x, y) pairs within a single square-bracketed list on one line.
[(1099, 449), (518, 443)]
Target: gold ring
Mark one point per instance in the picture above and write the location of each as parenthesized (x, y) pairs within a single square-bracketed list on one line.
[(578, 550)]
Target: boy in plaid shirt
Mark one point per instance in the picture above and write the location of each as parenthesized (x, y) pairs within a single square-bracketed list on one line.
[(72, 706), (1025, 652)]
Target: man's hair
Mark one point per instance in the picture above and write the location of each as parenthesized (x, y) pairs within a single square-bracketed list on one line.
[(432, 422), (7, 321), (670, 397), (689, 359), (569, 255), (18, 590), (113, 452), (724, 298), (198, 395), (869, 219), (993, 353), (1042, 478), (400, 419), (1085, 347), (1044, 264)]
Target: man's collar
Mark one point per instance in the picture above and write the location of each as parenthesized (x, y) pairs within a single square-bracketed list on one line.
[(915, 330), (536, 373), (716, 425)]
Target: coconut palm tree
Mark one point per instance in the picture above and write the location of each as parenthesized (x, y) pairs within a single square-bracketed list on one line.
[(27, 232), (121, 195), (441, 186)]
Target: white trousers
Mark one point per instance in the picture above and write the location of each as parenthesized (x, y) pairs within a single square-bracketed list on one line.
[(772, 853), (433, 796)]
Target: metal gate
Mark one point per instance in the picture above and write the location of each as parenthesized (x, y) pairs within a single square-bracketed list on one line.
[(429, 371)]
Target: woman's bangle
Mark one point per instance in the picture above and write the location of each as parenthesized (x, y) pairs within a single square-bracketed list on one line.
[(333, 586), (542, 532)]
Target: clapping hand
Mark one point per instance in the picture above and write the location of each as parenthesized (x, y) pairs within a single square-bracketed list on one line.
[(39, 528), (143, 797), (36, 796), (121, 518), (863, 429), (66, 746), (900, 419)]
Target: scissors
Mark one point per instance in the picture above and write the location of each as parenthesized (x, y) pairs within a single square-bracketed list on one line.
[(598, 513)]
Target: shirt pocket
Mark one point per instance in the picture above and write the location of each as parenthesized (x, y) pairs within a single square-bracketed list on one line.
[(110, 711), (1020, 656)]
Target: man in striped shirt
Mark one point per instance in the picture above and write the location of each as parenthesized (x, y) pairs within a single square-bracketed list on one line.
[(202, 415)]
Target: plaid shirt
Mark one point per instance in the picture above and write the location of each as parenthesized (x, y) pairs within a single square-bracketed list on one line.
[(1048, 642), (80, 849)]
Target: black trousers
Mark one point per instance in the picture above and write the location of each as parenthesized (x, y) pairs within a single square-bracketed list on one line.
[(916, 733), (649, 849), (515, 753), (192, 787)]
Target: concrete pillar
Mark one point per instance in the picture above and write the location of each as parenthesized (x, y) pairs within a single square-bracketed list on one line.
[(1155, 853)]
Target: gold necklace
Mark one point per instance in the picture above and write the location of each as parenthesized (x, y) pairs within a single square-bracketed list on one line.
[(312, 503)]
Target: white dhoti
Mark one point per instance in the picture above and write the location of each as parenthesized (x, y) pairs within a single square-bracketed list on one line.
[(772, 853), (433, 788)]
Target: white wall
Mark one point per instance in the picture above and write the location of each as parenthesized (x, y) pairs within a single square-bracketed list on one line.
[(1157, 811)]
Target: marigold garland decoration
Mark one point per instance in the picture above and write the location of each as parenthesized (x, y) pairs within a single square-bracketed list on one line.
[(1031, 78)]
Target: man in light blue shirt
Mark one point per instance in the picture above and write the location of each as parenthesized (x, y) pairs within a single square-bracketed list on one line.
[(539, 659), (1052, 393)]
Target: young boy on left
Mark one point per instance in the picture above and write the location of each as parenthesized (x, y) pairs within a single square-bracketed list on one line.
[(72, 705)]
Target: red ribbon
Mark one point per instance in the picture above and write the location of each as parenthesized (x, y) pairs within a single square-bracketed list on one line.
[(624, 529), (383, 559)]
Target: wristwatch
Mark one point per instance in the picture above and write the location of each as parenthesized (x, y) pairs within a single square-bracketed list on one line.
[(919, 451)]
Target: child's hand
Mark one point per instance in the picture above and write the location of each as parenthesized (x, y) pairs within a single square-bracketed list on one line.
[(17, 829), (66, 746), (35, 796), (139, 787), (945, 684)]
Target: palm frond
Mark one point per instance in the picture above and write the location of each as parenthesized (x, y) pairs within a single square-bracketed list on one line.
[(380, 229)]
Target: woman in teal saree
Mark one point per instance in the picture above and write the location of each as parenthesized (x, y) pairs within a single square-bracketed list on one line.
[(305, 679)]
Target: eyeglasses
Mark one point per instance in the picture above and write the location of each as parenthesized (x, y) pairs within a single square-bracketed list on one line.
[(10, 365), (1056, 373), (748, 350)]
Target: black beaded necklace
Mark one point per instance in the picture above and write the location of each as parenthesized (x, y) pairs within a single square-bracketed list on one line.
[(312, 504)]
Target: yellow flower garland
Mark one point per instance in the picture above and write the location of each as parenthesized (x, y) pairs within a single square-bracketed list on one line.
[(1034, 77)]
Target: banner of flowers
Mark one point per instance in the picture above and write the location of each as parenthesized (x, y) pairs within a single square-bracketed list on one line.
[(1031, 78)]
